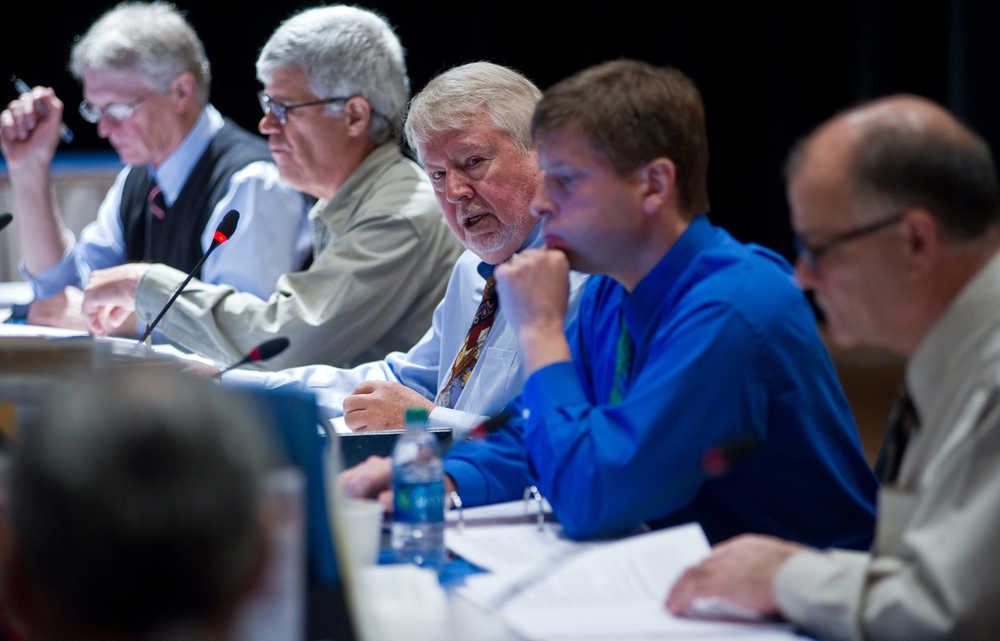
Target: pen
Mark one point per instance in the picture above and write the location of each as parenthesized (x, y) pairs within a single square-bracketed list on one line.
[(65, 134)]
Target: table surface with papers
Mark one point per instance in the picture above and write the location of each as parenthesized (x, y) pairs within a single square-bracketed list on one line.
[(536, 584), (539, 585)]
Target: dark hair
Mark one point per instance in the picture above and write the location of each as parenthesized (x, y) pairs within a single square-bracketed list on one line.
[(633, 112), (134, 502), (939, 165), (952, 176)]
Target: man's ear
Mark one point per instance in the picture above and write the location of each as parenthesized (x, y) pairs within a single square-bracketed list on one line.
[(658, 180), (924, 240), (183, 90), (358, 113)]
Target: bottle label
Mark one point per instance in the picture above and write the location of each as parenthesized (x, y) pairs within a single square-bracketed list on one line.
[(418, 502)]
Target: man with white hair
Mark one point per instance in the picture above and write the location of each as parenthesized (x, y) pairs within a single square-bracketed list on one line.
[(470, 127), (335, 89), (146, 84)]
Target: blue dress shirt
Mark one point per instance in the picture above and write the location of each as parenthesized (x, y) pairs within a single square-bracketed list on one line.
[(274, 234), (725, 348)]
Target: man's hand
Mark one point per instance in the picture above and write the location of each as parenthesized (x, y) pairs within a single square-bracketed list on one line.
[(59, 310), (741, 570), (109, 297), (534, 291), (369, 480), (380, 405), (372, 479), (29, 130)]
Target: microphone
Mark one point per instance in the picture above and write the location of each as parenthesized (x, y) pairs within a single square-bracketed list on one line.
[(5, 219), (222, 234), (264, 351)]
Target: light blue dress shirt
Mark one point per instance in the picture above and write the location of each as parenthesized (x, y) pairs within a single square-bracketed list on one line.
[(273, 237), (495, 380)]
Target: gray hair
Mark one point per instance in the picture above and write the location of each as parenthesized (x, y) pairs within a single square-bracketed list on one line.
[(466, 93), (153, 39), (134, 500), (344, 51)]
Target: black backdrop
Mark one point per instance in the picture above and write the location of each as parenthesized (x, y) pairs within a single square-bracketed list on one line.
[(768, 73)]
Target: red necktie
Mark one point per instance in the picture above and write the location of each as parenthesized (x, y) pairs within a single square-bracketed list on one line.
[(467, 356), (157, 204)]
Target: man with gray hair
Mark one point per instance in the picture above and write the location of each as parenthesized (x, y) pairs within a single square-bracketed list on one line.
[(146, 84), (470, 127), (335, 89), (129, 515), (897, 207)]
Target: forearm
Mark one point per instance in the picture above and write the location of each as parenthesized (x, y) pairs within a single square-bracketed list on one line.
[(41, 233)]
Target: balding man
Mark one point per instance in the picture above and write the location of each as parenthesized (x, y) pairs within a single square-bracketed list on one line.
[(897, 207)]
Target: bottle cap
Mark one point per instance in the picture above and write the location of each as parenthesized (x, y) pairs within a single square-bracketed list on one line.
[(416, 415)]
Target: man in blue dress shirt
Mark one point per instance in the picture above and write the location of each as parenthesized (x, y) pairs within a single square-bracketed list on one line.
[(685, 340)]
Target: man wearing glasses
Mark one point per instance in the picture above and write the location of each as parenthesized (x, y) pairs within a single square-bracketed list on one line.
[(335, 88), (145, 84), (898, 208)]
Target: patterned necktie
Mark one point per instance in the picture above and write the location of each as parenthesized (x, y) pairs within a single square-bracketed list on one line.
[(468, 354), (157, 203), (903, 424), (623, 363)]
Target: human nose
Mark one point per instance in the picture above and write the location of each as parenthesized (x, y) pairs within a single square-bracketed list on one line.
[(806, 273), (105, 124), (541, 204), (456, 187), (269, 123)]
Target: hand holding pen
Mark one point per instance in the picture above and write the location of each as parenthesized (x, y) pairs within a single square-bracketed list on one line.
[(30, 131), (65, 133)]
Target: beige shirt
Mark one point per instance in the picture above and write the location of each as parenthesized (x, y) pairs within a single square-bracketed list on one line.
[(934, 570), (381, 263)]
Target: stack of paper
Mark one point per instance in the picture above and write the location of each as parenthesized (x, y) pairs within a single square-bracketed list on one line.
[(548, 587)]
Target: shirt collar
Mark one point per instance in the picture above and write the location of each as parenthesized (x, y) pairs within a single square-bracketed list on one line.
[(173, 172), (534, 239), (945, 347), (656, 287)]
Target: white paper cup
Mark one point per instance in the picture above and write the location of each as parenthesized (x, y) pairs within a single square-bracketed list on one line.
[(363, 524)]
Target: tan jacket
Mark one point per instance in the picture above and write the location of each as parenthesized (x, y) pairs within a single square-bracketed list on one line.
[(934, 570), (381, 262)]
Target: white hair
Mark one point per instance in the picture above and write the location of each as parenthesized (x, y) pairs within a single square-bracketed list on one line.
[(466, 93), (153, 39), (344, 51)]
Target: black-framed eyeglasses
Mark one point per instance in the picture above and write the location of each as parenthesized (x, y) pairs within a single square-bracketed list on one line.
[(118, 111), (280, 111), (812, 253)]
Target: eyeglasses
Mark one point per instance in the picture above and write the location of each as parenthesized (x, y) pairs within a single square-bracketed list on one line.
[(116, 110), (811, 254), (280, 111)]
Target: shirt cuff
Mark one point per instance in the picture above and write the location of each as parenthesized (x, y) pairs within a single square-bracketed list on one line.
[(460, 422), (469, 481), (54, 279), (154, 290), (819, 591)]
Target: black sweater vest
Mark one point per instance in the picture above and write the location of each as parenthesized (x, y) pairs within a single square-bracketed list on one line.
[(176, 240)]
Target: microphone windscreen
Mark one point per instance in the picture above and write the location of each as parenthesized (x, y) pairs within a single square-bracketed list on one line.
[(271, 348), (226, 227), (5, 219)]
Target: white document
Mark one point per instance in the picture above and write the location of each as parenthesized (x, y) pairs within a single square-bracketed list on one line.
[(610, 590)]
